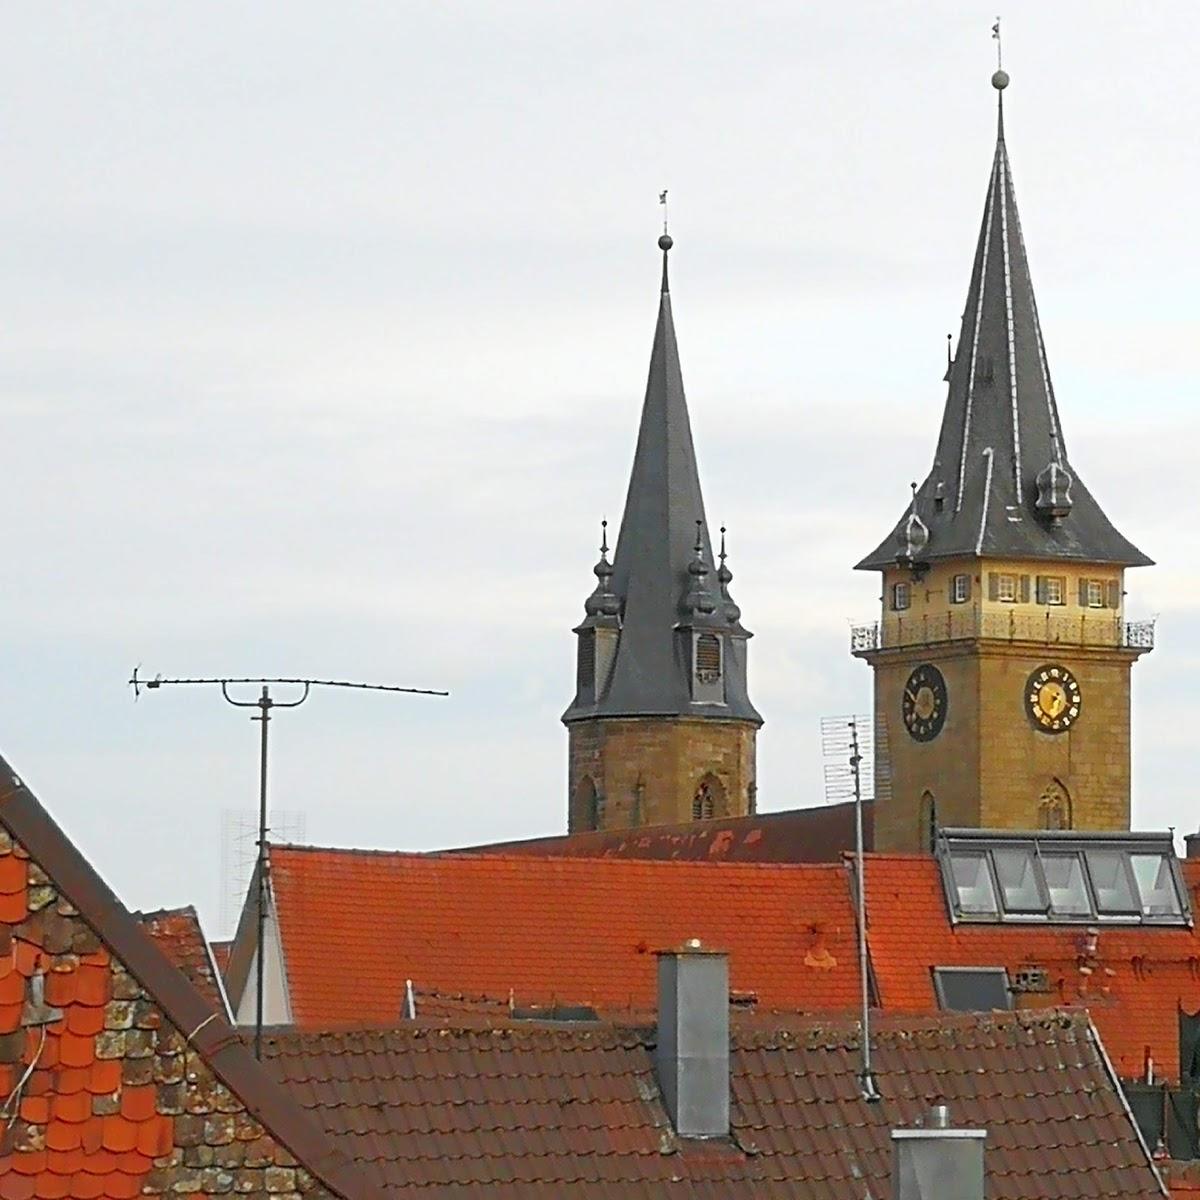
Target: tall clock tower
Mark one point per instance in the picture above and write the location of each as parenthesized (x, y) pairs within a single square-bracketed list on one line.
[(1002, 658)]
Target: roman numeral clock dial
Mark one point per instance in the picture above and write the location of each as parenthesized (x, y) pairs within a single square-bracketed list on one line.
[(924, 703), (1053, 699)]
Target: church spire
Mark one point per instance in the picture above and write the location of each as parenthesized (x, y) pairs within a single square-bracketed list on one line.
[(662, 559), (1001, 484)]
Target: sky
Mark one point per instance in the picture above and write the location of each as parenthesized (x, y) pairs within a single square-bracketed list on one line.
[(324, 332)]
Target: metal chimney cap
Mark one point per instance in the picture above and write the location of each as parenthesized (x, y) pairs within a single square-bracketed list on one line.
[(693, 948), (939, 1117)]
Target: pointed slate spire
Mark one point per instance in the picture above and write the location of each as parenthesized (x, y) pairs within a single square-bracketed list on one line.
[(1000, 474), (661, 527)]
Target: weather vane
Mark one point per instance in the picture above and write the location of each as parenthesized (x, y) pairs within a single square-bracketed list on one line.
[(999, 45), (662, 199)]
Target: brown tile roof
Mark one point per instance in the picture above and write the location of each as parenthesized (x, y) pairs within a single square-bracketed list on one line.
[(220, 953), (506, 1110), (119, 1076), (798, 835), (177, 933), (356, 924)]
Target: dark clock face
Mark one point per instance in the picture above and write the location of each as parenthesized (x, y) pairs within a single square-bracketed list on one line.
[(1053, 699), (924, 704)]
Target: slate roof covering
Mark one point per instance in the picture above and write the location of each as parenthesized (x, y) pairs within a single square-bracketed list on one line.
[(119, 1077), (503, 1110), (356, 924), (1001, 425), (799, 835), (655, 546), (177, 933), (1133, 980)]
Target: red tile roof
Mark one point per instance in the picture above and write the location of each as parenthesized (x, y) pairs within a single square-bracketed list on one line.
[(506, 1111), (798, 835), (220, 952), (1133, 980), (177, 933), (356, 924)]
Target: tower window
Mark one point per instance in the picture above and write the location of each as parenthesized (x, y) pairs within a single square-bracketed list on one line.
[(1006, 588), (709, 800), (1051, 589), (708, 658), (901, 596), (587, 661), (1094, 593), (960, 590), (589, 804)]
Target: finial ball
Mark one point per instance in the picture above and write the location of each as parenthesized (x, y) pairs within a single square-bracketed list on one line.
[(666, 242), (1000, 80)]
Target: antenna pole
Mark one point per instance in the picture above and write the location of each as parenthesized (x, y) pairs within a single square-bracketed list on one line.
[(264, 715), (866, 1075), (265, 703)]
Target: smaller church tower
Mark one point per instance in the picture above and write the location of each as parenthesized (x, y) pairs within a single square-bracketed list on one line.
[(1002, 658), (661, 729)]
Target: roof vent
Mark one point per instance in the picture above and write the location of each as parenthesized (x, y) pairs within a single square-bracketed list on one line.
[(692, 1056), (938, 1162)]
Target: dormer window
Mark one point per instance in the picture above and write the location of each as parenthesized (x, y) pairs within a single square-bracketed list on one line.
[(708, 658), (901, 596)]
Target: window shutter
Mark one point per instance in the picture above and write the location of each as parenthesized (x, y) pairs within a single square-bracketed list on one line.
[(967, 588), (1083, 593), (1114, 594), (1024, 589), (1041, 589), (993, 586)]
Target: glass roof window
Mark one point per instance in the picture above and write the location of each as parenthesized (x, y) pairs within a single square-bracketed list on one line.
[(974, 891), (1062, 877), (1066, 884)]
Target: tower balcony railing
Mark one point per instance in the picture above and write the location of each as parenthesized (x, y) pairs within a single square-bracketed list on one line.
[(1049, 629)]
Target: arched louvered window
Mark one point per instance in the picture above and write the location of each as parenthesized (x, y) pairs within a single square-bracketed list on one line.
[(709, 800)]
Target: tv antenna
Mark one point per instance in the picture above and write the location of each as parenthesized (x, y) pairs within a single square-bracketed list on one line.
[(266, 704), (843, 743)]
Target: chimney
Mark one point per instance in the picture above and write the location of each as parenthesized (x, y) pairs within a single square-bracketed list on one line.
[(936, 1162), (692, 1058), (1192, 845)]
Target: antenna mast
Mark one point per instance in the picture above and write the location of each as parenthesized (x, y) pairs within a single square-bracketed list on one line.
[(265, 703), (844, 740)]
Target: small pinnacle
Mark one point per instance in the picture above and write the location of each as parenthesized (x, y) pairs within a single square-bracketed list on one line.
[(604, 536)]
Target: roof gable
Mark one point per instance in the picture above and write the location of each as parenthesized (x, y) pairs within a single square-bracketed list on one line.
[(127, 1069)]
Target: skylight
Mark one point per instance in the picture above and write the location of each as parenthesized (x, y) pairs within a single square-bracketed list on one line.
[(1062, 877)]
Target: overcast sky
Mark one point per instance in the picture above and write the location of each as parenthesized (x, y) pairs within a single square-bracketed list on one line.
[(325, 330)]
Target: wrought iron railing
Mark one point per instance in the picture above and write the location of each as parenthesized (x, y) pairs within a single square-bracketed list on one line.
[(1044, 628)]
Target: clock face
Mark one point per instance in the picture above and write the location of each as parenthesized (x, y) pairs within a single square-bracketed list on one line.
[(1053, 699), (924, 703)]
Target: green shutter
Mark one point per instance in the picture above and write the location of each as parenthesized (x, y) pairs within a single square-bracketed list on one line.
[(1083, 593), (1114, 594), (993, 586), (1024, 592), (967, 593), (1041, 589)]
